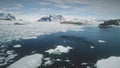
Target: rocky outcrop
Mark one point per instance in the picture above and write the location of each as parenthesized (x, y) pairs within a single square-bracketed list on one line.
[(110, 23)]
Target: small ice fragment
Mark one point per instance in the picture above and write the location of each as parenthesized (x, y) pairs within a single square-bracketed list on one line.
[(92, 47), (47, 58), (101, 41), (88, 67), (58, 60), (67, 60), (84, 63), (49, 62), (17, 46)]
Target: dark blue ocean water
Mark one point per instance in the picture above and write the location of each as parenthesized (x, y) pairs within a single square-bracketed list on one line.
[(80, 41)]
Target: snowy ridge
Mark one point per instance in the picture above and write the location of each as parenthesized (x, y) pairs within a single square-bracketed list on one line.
[(52, 18)]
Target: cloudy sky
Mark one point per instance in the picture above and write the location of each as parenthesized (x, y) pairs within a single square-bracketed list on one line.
[(34, 9)]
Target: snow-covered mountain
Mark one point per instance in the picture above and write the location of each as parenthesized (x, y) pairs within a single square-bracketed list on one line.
[(6, 16), (52, 18)]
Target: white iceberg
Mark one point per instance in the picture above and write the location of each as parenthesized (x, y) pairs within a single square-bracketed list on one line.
[(59, 50), (111, 62), (32, 61)]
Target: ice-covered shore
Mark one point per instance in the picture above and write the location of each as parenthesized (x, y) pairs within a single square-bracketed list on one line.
[(17, 30)]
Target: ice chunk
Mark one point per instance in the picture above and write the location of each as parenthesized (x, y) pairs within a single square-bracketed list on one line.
[(32, 61), (4, 60), (50, 51), (92, 47), (88, 66), (101, 41), (111, 62), (59, 50), (17, 46), (84, 63), (67, 60), (48, 58), (49, 62), (58, 60), (10, 52)]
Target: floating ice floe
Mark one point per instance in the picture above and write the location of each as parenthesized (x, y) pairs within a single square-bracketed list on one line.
[(111, 62), (67, 60), (48, 58), (59, 50), (101, 41), (17, 46), (5, 60), (92, 47), (49, 62), (84, 63), (58, 60), (88, 67), (32, 61)]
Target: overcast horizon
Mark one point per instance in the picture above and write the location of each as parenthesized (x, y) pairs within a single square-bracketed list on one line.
[(34, 9)]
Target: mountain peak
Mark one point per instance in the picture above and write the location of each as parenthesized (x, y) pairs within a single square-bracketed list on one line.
[(52, 18), (6, 16)]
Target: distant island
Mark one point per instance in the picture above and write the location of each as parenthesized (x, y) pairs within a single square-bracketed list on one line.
[(72, 22), (110, 23)]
